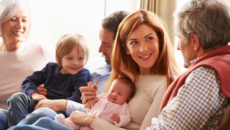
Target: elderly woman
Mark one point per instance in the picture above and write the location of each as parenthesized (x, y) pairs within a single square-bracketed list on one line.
[(18, 56)]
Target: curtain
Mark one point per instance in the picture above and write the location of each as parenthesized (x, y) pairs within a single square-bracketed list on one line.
[(164, 9), (149, 5)]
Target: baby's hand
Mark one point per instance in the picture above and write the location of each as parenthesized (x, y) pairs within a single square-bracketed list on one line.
[(94, 87), (115, 117), (89, 84)]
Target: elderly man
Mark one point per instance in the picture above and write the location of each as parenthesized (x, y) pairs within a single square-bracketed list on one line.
[(199, 98)]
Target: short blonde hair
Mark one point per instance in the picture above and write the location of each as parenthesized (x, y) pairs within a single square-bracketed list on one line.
[(66, 44)]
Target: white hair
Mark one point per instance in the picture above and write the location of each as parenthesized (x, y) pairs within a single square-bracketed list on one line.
[(209, 20), (8, 8)]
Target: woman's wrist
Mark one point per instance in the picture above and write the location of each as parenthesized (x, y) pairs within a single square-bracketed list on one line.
[(82, 118), (90, 120), (33, 95)]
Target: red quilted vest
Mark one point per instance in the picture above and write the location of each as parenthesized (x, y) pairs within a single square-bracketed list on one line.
[(218, 59)]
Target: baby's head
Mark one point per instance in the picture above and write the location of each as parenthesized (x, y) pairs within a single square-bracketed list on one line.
[(72, 53), (121, 91)]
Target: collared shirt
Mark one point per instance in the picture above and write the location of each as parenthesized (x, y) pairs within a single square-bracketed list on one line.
[(192, 61), (100, 72), (199, 104)]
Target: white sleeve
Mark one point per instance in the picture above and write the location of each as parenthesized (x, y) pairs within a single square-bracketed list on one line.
[(73, 106)]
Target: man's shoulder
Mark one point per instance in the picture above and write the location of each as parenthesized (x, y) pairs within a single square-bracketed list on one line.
[(201, 73), (98, 63), (203, 69)]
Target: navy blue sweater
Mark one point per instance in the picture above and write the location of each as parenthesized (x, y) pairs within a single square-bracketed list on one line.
[(59, 86)]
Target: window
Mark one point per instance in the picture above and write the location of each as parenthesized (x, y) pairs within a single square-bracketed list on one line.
[(53, 18)]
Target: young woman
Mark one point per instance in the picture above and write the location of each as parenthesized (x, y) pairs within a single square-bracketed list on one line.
[(143, 52)]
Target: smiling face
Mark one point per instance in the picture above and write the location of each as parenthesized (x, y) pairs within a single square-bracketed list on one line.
[(143, 46), (73, 62), (15, 29), (106, 46), (119, 92)]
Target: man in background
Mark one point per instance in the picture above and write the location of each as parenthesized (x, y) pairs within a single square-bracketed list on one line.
[(99, 69)]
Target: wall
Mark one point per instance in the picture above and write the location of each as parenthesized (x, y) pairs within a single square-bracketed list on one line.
[(54, 18)]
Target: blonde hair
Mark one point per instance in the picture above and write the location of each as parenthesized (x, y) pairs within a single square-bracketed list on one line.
[(67, 43), (124, 66)]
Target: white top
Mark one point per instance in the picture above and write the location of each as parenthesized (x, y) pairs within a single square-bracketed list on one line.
[(17, 65), (144, 105)]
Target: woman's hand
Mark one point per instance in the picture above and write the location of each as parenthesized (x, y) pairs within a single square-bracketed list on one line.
[(42, 90), (89, 96), (37, 97), (56, 105), (81, 118)]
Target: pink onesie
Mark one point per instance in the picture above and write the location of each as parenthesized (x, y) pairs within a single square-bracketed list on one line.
[(102, 109)]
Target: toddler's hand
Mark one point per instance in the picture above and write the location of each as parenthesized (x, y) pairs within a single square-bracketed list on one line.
[(115, 117), (42, 90)]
